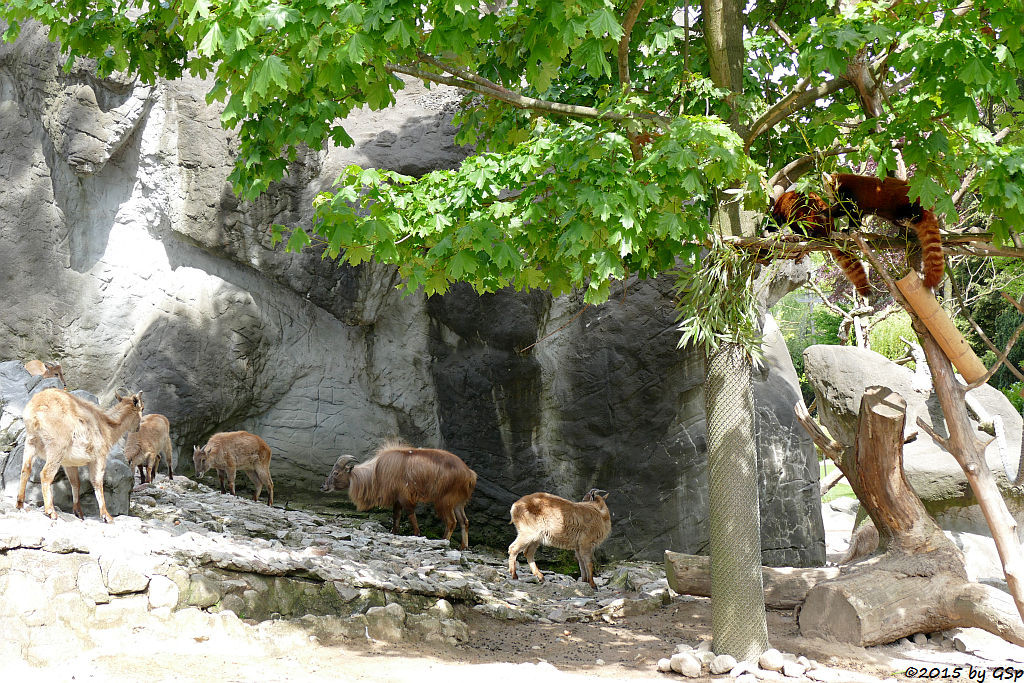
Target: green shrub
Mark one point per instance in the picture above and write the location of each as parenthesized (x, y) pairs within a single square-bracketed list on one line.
[(884, 337)]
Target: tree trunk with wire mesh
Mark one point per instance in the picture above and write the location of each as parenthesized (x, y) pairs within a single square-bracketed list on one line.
[(738, 620)]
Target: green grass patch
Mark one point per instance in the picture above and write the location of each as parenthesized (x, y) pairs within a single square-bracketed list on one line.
[(840, 490)]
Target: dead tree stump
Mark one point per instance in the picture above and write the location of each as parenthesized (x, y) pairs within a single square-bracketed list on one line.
[(918, 583)]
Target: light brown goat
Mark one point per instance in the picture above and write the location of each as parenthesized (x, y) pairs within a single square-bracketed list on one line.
[(46, 369), (399, 476), (545, 519), (144, 448), (228, 452), (70, 432)]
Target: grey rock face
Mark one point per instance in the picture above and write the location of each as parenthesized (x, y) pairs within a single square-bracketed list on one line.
[(128, 258), (840, 374)]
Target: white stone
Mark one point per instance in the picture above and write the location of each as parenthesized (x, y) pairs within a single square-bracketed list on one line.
[(90, 583), (920, 639), (121, 611), (793, 669), (771, 660), (722, 663), (162, 592), (741, 668), (443, 608), (121, 576), (686, 663), (664, 664), (22, 594)]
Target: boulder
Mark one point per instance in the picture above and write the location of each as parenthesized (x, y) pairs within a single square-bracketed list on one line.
[(839, 376)]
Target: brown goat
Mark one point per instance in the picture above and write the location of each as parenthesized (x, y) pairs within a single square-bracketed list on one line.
[(144, 448), (46, 369), (545, 519), (399, 476), (70, 432), (228, 452)]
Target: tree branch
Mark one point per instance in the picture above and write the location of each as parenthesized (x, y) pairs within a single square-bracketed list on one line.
[(988, 342), (793, 102), (627, 29), (799, 166), (831, 448), (521, 101), (1002, 359), (783, 35)]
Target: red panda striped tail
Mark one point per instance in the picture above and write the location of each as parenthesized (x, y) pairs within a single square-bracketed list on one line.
[(927, 229)]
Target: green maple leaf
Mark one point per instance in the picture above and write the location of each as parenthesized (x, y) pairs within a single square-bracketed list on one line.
[(273, 70)]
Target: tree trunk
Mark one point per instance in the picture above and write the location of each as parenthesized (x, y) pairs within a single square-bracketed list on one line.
[(738, 622)]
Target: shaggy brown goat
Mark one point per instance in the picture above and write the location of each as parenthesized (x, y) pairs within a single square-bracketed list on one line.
[(399, 476), (143, 449), (228, 452), (545, 519), (70, 432), (46, 369)]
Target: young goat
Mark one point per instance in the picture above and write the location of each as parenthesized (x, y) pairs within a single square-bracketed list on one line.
[(70, 432), (400, 476), (544, 519), (228, 452), (143, 449), (46, 369)]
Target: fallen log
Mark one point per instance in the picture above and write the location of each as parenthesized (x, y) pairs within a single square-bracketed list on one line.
[(784, 587)]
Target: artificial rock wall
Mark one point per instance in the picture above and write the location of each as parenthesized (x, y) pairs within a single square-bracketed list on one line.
[(127, 257)]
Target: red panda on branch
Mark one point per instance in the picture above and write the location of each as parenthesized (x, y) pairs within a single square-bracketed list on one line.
[(855, 196), (811, 215), (889, 198)]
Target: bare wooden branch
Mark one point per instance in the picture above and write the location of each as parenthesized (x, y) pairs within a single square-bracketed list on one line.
[(793, 102), (829, 447), (959, 194), (1001, 356), (783, 35), (941, 440), (831, 480), (495, 91), (1016, 304)]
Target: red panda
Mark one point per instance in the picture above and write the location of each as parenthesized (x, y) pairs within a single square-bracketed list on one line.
[(888, 198), (811, 215)]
